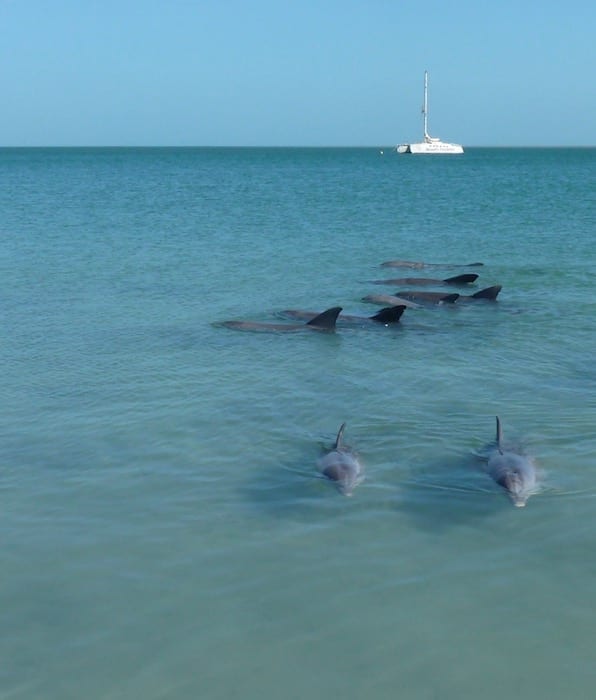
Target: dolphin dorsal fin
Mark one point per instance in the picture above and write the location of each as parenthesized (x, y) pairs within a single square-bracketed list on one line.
[(461, 279), (450, 298), (390, 314), (490, 293), (327, 319), (340, 434), (499, 437)]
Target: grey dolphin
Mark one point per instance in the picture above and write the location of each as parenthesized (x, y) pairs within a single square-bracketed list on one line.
[(389, 315), (413, 265), (512, 470), (427, 281), (323, 322), (422, 297), (342, 465), (488, 293)]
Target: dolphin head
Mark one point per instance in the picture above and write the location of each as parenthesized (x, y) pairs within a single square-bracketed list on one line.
[(518, 478), (349, 480), (517, 488), (343, 467)]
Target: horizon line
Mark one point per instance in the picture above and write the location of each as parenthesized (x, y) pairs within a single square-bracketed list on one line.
[(271, 146)]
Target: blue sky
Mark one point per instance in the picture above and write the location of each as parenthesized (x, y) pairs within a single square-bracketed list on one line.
[(304, 73)]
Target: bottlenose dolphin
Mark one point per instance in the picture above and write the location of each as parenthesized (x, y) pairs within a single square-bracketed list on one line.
[(342, 466), (489, 293), (323, 322), (428, 297), (386, 316), (419, 265), (426, 281), (512, 470)]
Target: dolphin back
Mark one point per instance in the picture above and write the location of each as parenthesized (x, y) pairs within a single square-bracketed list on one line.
[(429, 297), (389, 300), (468, 278)]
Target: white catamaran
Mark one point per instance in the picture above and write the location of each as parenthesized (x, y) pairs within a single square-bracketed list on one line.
[(430, 144)]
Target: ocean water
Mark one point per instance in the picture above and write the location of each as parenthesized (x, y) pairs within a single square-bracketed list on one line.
[(164, 531)]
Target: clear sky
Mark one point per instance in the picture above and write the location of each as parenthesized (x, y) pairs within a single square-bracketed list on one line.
[(299, 73)]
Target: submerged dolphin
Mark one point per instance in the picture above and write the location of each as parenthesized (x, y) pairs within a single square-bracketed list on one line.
[(412, 265), (512, 470), (426, 281), (341, 465), (323, 322), (390, 314), (429, 297), (489, 294)]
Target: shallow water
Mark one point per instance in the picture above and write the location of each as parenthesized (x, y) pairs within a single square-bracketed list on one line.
[(165, 531)]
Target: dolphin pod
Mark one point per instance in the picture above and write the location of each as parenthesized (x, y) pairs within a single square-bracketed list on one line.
[(511, 469), (488, 294), (391, 314), (507, 465), (342, 465), (395, 304), (421, 297), (315, 321)]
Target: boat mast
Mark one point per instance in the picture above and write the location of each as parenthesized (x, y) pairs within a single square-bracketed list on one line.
[(425, 107)]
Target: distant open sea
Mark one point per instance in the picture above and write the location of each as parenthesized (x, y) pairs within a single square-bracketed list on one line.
[(164, 532)]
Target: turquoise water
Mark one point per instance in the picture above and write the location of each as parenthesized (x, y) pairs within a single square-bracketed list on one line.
[(164, 532)]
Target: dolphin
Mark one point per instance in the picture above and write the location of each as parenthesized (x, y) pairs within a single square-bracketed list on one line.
[(512, 470), (428, 297), (488, 293), (386, 316), (412, 265), (341, 465), (323, 322), (427, 281)]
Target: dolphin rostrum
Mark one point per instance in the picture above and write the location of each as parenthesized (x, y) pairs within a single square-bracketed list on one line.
[(386, 316), (427, 281), (512, 470), (323, 322), (342, 465), (412, 265)]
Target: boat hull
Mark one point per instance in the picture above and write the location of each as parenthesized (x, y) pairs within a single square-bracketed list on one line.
[(435, 147)]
